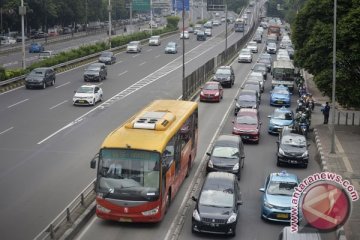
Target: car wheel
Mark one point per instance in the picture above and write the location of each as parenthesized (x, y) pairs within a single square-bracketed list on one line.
[(239, 175), (168, 202), (44, 85), (100, 98), (94, 102), (53, 82)]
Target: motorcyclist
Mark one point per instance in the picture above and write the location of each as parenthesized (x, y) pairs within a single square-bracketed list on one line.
[(310, 102)]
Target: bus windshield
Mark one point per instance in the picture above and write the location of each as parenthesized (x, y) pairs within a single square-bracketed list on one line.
[(284, 73), (129, 174)]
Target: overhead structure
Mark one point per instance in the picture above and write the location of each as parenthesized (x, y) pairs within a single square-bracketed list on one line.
[(215, 5)]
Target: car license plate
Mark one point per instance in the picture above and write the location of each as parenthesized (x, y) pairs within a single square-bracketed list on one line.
[(280, 101), (245, 137), (293, 161), (282, 215), (125, 220), (81, 101)]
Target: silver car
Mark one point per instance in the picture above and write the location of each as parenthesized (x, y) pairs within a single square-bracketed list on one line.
[(133, 47), (154, 41), (245, 55)]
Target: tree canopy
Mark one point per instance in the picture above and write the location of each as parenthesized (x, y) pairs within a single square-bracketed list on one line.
[(312, 35)]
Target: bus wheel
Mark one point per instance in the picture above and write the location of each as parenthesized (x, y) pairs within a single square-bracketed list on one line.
[(188, 169), (168, 201)]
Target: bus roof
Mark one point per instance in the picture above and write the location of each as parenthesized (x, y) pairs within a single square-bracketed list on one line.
[(283, 64), (151, 128)]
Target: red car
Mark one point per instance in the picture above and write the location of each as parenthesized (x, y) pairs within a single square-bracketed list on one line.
[(211, 92), (247, 125)]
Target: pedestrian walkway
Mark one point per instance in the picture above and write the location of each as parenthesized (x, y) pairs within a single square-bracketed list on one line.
[(346, 159)]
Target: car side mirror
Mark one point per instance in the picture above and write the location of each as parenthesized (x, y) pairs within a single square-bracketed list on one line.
[(260, 123), (239, 202), (93, 161), (235, 99), (194, 199), (269, 116), (308, 144), (209, 154), (262, 189)]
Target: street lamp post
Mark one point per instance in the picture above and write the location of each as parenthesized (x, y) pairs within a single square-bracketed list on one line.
[(226, 27), (109, 10), (151, 18), (183, 51), (22, 12), (202, 9), (333, 84)]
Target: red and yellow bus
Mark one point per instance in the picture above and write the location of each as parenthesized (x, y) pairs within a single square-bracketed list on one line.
[(142, 164), (274, 29)]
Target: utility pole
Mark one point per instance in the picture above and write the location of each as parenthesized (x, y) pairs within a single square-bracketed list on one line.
[(109, 10), (151, 18), (332, 124), (183, 51), (22, 13), (226, 28)]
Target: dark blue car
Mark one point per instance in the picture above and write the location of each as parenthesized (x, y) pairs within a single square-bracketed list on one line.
[(36, 48)]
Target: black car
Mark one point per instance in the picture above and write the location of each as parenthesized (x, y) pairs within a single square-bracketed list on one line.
[(200, 36), (292, 149), (40, 78), (246, 99), (261, 68), (217, 207), (95, 72), (227, 155), (107, 58), (225, 76)]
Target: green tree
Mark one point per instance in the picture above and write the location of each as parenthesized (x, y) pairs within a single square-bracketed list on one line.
[(312, 35)]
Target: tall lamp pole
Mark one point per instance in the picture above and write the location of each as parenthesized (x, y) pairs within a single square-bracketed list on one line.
[(333, 84), (226, 27), (109, 10), (151, 18), (183, 51), (22, 13)]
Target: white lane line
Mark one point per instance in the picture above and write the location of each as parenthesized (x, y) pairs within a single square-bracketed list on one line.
[(81, 235), (62, 85), (18, 103), (136, 55), (122, 73), (344, 157), (6, 130), (118, 62), (142, 63), (149, 50), (58, 104), (157, 56)]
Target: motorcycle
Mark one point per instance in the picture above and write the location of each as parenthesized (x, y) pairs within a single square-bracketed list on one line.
[(302, 125), (312, 105)]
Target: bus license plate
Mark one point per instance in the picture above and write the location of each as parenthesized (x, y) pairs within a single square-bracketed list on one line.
[(125, 220)]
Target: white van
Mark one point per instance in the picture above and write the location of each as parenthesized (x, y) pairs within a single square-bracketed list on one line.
[(286, 234)]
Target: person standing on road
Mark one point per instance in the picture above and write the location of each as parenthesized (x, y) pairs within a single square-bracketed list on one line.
[(326, 111)]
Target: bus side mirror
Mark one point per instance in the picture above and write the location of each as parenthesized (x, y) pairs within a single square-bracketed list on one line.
[(93, 161)]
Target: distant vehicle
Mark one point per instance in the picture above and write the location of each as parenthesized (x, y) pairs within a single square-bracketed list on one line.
[(252, 46), (208, 32), (36, 48), (211, 92), (95, 72), (271, 48), (227, 155), (265, 60), (277, 194), (246, 99), (280, 96), (261, 68), (201, 36), (274, 29), (107, 58), (88, 95), (197, 28), (184, 34), (225, 76), (7, 40), (208, 24), (245, 55), (280, 118), (153, 24), (216, 23), (283, 73), (19, 38), (247, 124), (40, 35), (171, 47), (217, 207), (40, 78), (154, 41), (290, 51), (257, 38), (46, 54), (257, 77), (239, 25), (133, 47), (190, 30), (287, 234)]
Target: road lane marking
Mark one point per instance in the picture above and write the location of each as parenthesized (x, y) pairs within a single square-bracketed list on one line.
[(122, 73), (344, 157), (58, 104), (62, 85), (118, 62), (6, 130), (18, 103), (136, 55), (142, 63)]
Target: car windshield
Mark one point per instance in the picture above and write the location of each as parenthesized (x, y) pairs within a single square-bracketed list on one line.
[(171, 44), (211, 87), (252, 44), (247, 98), (294, 141), (223, 71), (93, 68), (281, 188), (217, 198), (259, 67), (85, 89), (154, 38), (133, 44), (37, 73), (282, 115), (249, 120), (106, 54), (225, 152), (245, 51), (281, 91)]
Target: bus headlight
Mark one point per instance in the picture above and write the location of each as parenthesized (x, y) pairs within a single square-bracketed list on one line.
[(102, 209), (151, 212)]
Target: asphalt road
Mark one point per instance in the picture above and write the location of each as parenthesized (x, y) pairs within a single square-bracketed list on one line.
[(46, 143)]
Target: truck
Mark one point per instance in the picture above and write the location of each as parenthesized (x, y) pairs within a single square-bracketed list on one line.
[(274, 29)]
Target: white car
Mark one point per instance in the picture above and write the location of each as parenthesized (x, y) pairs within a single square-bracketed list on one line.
[(245, 55), (252, 45), (88, 95), (257, 76), (208, 32), (154, 41), (271, 48), (133, 47), (186, 35), (7, 40)]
